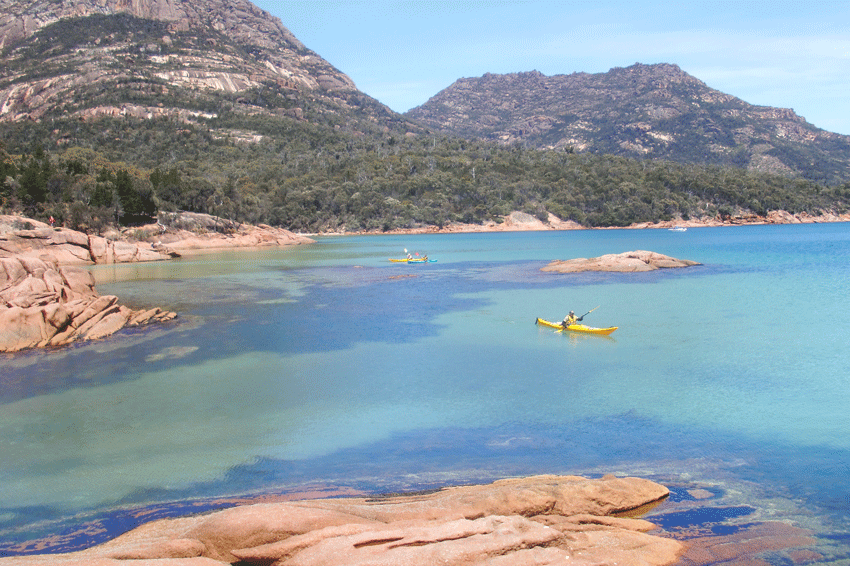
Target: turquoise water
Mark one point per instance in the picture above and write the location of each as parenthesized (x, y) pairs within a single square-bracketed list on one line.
[(328, 365)]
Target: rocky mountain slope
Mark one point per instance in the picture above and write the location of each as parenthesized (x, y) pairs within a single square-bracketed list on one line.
[(164, 58), (643, 111)]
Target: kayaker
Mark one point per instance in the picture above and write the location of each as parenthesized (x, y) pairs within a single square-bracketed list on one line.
[(569, 320)]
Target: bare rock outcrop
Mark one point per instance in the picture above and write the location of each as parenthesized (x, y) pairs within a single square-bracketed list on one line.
[(187, 232), (539, 520), (182, 47), (43, 304), (26, 237), (625, 262), (46, 301)]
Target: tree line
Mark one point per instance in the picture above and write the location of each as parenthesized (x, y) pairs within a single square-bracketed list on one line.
[(321, 179)]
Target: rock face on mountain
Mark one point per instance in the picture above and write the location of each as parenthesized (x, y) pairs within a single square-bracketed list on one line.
[(654, 111), (159, 58), (530, 521), (238, 18)]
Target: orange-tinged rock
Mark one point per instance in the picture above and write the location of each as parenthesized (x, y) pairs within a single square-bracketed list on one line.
[(522, 521), (43, 305), (627, 262)]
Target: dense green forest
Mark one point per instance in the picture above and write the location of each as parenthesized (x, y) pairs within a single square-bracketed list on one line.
[(316, 179)]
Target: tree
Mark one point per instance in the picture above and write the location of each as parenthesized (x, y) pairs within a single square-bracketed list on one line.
[(33, 183)]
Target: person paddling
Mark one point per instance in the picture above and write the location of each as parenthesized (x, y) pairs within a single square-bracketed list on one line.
[(570, 319)]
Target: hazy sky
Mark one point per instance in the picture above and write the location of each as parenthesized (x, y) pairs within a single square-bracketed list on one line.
[(789, 54)]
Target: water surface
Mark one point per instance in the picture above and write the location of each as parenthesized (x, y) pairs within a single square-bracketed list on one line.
[(326, 365)]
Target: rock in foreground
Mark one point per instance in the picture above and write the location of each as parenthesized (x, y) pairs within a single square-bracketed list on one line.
[(625, 262), (530, 521)]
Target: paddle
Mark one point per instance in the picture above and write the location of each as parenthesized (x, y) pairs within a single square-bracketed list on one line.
[(587, 313)]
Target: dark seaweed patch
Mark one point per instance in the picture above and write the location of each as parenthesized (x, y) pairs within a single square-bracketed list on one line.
[(699, 517)]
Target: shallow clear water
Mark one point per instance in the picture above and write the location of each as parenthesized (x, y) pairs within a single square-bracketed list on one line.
[(328, 365)]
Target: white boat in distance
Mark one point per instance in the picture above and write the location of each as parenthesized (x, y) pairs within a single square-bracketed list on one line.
[(678, 229)]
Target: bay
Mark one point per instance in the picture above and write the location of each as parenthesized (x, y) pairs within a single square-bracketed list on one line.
[(327, 365)]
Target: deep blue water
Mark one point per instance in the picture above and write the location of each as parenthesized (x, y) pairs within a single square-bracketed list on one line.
[(326, 365)]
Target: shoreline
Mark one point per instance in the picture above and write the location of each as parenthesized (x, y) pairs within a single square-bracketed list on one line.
[(35, 315), (530, 520), (523, 222), (681, 521)]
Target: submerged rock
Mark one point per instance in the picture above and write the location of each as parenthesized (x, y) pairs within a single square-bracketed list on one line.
[(625, 262), (538, 520)]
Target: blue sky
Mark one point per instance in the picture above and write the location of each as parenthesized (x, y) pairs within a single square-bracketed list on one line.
[(788, 54)]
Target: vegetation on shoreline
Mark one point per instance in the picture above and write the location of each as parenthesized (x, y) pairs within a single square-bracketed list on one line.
[(317, 180)]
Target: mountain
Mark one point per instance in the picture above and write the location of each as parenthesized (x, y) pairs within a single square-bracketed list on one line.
[(116, 111), (642, 111), (176, 59)]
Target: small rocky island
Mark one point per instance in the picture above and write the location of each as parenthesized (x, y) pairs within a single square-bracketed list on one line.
[(625, 262), (537, 520)]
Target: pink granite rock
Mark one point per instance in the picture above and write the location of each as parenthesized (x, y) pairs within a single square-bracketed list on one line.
[(625, 262), (533, 521), (42, 304)]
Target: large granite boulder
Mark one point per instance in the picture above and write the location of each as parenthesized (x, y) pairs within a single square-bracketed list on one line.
[(540, 520), (43, 304), (625, 262)]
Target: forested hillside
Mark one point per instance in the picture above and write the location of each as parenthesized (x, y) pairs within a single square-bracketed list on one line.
[(343, 183)]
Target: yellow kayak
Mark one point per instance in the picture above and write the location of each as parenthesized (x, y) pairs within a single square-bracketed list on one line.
[(577, 327)]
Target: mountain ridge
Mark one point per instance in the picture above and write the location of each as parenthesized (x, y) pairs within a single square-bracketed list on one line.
[(23, 18), (641, 111), (154, 58)]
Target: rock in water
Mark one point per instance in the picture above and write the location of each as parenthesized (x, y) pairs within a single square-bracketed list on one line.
[(625, 262), (42, 304), (538, 520)]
